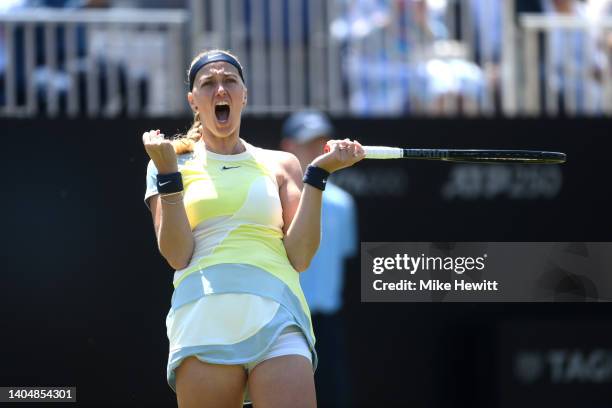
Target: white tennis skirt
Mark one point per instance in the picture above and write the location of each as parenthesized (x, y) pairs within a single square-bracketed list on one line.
[(234, 314), (232, 329)]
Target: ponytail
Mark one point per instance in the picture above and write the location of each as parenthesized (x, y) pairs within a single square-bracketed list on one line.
[(185, 143)]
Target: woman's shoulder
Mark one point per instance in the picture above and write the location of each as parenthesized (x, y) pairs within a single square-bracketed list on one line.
[(285, 160), (283, 165), (278, 157)]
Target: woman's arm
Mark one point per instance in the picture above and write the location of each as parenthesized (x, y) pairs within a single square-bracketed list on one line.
[(302, 203), (301, 215), (174, 237)]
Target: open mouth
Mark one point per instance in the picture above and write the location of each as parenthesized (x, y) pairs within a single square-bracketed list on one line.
[(222, 111)]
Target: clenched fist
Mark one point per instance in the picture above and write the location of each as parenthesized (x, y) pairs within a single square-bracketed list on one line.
[(339, 154), (161, 151)]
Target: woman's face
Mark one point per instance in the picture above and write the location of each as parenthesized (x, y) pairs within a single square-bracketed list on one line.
[(219, 95)]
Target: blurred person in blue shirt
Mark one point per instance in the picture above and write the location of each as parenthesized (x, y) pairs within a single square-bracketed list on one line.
[(305, 135)]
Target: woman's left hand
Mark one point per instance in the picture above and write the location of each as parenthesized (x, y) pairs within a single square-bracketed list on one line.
[(342, 153)]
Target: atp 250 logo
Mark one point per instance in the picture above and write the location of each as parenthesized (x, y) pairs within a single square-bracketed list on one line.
[(476, 182)]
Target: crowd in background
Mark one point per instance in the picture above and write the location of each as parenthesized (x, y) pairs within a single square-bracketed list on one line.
[(417, 56), (419, 65), (71, 71), (426, 60)]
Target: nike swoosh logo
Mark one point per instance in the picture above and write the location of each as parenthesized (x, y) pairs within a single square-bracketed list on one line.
[(165, 182), (229, 167)]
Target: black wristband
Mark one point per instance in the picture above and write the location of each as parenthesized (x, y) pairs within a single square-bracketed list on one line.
[(169, 183), (316, 177)]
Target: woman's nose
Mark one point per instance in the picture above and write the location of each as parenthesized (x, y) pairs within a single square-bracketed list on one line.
[(220, 90)]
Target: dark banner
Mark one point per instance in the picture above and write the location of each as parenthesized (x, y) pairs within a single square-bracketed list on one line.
[(86, 292)]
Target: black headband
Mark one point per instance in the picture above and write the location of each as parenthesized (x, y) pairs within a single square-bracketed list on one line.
[(213, 57)]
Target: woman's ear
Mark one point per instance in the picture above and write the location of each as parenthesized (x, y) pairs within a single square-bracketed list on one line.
[(190, 101), (244, 99)]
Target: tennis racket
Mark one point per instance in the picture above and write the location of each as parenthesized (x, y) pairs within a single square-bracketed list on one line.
[(465, 155)]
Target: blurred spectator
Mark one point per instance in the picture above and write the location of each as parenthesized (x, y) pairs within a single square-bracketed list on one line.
[(567, 60), (399, 58), (597, 11), (575, 45), (6, 6), (486, 16), (60, 78), (305, 134), (70, 70)]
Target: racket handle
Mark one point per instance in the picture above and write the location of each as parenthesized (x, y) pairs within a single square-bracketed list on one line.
[(378, 152), (383, 152)]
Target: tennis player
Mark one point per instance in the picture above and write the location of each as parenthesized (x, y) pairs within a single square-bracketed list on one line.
[(237, 225)]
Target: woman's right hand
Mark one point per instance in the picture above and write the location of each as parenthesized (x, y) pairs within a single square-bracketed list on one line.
[(339, 154), (161, 151)]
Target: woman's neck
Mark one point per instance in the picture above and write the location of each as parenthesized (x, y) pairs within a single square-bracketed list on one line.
[(226, 145)]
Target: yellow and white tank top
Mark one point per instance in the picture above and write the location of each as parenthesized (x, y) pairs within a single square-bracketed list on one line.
[(234, 210)]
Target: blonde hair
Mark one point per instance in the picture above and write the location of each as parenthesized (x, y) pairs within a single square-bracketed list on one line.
[(185, 143)]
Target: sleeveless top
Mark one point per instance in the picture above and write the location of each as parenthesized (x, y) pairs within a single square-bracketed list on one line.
[(235, 213)]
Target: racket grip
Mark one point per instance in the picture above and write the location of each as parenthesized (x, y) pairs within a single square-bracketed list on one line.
[(383, 152), (378, 152)]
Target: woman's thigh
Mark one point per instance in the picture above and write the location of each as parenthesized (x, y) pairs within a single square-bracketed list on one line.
[(284, 381), (201, 385)]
